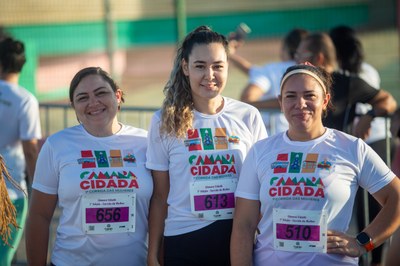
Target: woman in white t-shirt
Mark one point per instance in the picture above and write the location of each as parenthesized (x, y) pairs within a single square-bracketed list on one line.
[(96, 173), (197, 143), (303, 182)]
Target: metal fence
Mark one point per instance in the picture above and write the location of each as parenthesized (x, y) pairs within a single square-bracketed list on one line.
[(55, 117)]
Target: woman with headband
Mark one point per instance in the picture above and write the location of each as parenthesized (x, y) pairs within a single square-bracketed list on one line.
[(302, 183)]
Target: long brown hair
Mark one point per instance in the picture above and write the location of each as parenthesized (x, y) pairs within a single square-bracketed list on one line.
[(177, 108)]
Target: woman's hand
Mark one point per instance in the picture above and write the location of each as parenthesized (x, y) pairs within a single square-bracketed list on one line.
[(340, 243)]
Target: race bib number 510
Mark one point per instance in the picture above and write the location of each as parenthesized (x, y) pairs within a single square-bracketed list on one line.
[(300, 230)]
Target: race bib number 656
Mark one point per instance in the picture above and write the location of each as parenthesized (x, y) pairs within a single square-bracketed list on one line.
[(108, 213)]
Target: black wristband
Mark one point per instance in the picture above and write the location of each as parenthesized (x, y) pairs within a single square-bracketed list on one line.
[(371, 113)]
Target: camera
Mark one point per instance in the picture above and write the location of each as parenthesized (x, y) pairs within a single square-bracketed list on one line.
[(242, 30)]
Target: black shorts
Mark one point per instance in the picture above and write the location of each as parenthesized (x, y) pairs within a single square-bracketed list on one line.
[(208, 246)]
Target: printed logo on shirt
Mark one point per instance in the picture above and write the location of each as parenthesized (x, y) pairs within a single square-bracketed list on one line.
[(5, 102), (100, 159), (115, 158), (281, 164), (108, 180), (218, 165), (234, 139), (325, 162), (193, 141), (298, 179), (220, 139), (295, 162), (293, 187), (310, 163), (87, 160), (129, 157), (207, 139)]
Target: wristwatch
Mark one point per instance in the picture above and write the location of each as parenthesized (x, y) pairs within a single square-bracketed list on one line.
[(364, 240)]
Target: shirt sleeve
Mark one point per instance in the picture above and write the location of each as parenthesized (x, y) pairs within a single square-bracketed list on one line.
[(46, 178), (157, 151), (29, 126), (260, 131), (258, 78), (374, 173), (361, 91), (249, 185)]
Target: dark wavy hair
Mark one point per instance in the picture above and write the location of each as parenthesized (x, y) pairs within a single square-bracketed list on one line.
[(349, 50), (12, 55), (292, 40)]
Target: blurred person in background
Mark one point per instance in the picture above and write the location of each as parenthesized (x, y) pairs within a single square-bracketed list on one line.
[(96, 173), (348, 90), (197, 142), (395, 130), (3, 33), (262, 89), (392, 257), (350, 57), (19, 134), (303, 184)]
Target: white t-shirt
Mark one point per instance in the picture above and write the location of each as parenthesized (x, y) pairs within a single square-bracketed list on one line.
[(268, 77), (20, 120), (320, 175), (103, 187), (212, 152)]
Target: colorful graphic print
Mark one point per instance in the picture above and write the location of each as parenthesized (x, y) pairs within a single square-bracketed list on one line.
[(281, 164), (207, 139), (302, 182), (213, 165), (296, 164), (296, 187), (87, 160), (102, 159)]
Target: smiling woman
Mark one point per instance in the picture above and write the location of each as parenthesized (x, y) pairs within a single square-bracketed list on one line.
[(305, 98), (303, 182), (96, 172), (96, 99), (197, 142)]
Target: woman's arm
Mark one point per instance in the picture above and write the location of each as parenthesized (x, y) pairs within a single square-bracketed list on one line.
[(157, 215), (381, 228), (388, 219), (31, 151), (41, 211), (245, 221)]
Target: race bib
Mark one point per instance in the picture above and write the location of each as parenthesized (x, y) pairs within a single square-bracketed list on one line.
[(213, 199), (300, 230), (108, 213)]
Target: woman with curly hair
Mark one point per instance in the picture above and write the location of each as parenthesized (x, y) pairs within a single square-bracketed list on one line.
[(197, 143)]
